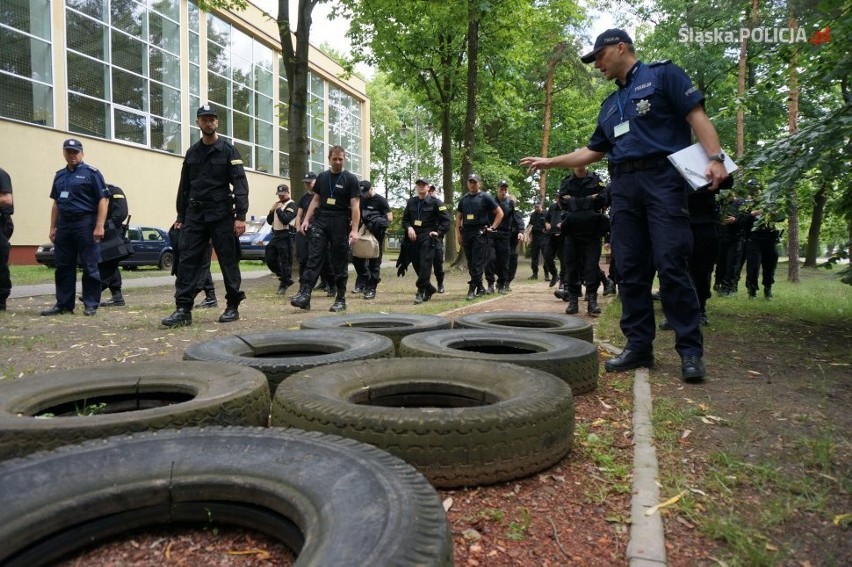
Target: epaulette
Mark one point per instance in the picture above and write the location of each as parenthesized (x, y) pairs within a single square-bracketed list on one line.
[(663, 62)]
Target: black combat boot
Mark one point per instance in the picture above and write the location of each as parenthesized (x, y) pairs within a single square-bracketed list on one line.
[(370, 293), (117, 300), (573, 304), (471, 292), (209, 300), (339, 303), (182, 317), (282, 288), (302, 300), (593, 308), (609, 286), (440, 284), (767, 292)]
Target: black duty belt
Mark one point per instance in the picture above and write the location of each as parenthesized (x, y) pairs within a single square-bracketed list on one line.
[(75, 216), (335, 212), (638, 165)]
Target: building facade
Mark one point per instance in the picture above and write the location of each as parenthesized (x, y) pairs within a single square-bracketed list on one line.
[(125, 77)]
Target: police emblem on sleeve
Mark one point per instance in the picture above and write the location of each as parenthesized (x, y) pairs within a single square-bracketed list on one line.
[(643, 107)]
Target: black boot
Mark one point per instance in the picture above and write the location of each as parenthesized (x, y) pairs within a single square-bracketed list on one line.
[(180, 318), (209, 300), (573, 304), (471, 292), (593, 308), (440, 284), (609, 287), (339, 304), (302, 300), (282, 288), (117, 300)]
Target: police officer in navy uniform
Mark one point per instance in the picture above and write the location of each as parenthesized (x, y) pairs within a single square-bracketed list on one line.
[(653, 113), (425, 222), (438, 263), (208, 210), (477, 216), (77, 219), (7, 209), (333, 218), (376, 215), (282, 217), (117, 212)]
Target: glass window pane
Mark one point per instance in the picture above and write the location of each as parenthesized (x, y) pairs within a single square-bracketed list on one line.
[(87, 116), (25, 56), (194, 80), (241, 45), (263, 80), (87, 76), (217, 89), (284, 165), (263, 133), (164, 33), (86, 36), (242, 98), (218, 31), (131, 127), (263, 108), (283, 140), (316, 85), (242, 127), (194, 19), (94, 8), (165, 135), (129, 90), (165, 101), (194, 49), (165, 67), (31, 16), (129, 53), (170, 8), (218, 59), (224, 120), (241, 70), (264, 160), (129, 17), (21, 99)]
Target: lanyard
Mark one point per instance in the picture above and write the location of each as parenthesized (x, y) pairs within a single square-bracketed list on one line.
[(332, 183), (627, 94), (419, 203)]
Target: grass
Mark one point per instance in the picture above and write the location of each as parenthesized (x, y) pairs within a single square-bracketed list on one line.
[(38, 274)]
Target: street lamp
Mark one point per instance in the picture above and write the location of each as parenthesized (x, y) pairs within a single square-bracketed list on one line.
[(404, 132)]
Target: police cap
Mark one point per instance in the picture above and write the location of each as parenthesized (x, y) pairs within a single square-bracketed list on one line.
[(609, 37)]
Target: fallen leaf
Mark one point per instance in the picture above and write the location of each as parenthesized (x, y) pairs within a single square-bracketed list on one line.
[(754, 372), (650, 511), (686, 433), (448, 503), (770, 547), (471, 534), (842, 520)]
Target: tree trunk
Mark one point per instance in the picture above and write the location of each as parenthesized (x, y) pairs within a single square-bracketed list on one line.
[(548, 103), (792, 204), (295, 58), (812, 247)]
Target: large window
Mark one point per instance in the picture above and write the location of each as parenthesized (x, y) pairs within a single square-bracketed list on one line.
[(283, 119), (123, 62), (26, 73), (316, 123), (239, 84), (194, 36), (344, 119)]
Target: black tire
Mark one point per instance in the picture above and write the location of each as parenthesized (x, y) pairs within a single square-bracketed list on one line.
[(167, 260), (459, 422), (333, 501), (278, 354), (573, 360), (137, 397), (391, 325), (523, 321)]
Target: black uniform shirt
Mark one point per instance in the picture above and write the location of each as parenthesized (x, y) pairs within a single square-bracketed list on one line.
[(206, 178), (537, 221), (117, 212), (336, 190), (426, 215), (6, 187), (376, 203), (507, 224), (476, 210)]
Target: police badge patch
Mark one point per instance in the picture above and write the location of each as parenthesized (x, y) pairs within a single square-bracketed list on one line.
[(643, 107)]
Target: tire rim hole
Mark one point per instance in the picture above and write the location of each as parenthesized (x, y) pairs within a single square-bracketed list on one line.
[(377, 325), (321, 350), (119, 403), (515, 323), (493, 348), (424, 396)]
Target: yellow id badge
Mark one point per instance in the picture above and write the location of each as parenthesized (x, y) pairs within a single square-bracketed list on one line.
[(470, 217), (330, 201), (418, 223)]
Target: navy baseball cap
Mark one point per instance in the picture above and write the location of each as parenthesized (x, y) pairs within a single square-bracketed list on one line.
[(282, 189), (365, 186), (309, 176), (474, 177), (206, 110), (609, 37), (72, 144)]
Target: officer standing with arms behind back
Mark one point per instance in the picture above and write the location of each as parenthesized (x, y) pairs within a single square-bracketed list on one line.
[(80, 201), (474, 226), (209, 211), (425, 221), (653, 113), (333, 218), (282, 217), (7, 209)]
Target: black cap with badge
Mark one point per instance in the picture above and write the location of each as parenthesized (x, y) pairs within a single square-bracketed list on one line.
[(206, 110), (309, 176), (609, 37), (474, 177), (365, 186), (283, 189), (72, 144)]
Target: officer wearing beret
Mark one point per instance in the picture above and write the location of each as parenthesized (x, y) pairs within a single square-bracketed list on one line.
[(209, 210), (425, 221), (477, 216), (653, 113), (282, 217), (77, 219)]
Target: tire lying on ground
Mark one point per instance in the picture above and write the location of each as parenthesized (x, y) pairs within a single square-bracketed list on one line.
[(459, 422), (522, 321), (333, 501), (573, 360), (48, 410), (391, 325), (278, 354)]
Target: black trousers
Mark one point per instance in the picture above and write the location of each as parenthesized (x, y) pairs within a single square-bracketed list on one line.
[(438, 260), (582, 263), (74, 240), (536, 249), (6, 229), (328, 235), (500, 256), (729, 262), (513, 258), (278, 256), (369, 270), (195, 238), (476, 249), (762, 255), (110, 276), (425, 249), (705, 250)]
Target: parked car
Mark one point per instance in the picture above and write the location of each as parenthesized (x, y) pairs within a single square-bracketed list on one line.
[(253, 242), (151, 247)]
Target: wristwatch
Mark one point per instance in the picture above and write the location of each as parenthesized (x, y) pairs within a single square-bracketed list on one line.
[(720, 157)]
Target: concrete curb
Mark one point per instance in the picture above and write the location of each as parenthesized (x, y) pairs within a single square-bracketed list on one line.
[(647, 544)]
